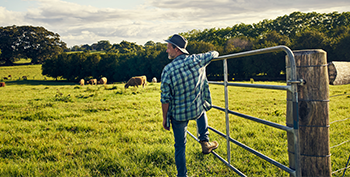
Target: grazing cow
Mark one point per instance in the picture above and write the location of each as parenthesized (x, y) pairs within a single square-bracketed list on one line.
[(135, 81), (24, 77), (81, 82), (103, 81), (2, 84), (154, 80), (92, 82), (144, 79)]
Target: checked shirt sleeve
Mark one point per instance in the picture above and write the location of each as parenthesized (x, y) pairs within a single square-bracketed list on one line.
[(165, 87)]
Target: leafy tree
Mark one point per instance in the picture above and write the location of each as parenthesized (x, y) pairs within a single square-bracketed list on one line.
[(85, 47), (75, 48), (36, 43), (103, 45), (310, 40), (195, 47), (237, 44), (55, 66), (8, 45), (149, 44), (342, 48)]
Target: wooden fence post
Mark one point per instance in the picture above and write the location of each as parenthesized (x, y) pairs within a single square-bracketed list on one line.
[(313, 99)]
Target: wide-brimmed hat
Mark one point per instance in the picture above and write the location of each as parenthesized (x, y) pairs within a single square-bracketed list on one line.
[(179, 41)]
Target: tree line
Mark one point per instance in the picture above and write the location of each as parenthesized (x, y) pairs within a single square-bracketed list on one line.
[(330, 32)]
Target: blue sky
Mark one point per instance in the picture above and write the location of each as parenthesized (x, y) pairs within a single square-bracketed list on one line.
[(81, 22)]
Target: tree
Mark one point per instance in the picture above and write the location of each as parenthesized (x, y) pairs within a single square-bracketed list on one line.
[(310, 39), (127, 47), (103, 45), (195, 47), (56, 66), (149, 44), (85, 47), (75, 48), (342, 48), (36, 43)]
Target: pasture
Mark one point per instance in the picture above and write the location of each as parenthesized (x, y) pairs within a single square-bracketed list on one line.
[(51, 128)]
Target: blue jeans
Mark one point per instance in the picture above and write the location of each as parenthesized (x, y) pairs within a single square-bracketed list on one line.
[(180, 132)]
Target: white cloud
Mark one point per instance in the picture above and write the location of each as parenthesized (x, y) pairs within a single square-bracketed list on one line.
[(9, 18), (155, 19)]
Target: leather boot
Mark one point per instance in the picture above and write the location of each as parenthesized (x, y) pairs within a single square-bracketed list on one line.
[(207, 147)]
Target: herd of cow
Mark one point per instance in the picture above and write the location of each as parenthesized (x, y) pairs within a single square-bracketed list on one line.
[(134, 81), (103, 81)]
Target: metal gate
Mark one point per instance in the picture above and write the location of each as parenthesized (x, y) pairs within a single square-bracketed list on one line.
[(291, 88)]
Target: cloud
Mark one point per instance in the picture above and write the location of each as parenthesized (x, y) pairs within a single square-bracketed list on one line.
[(155, 19), (9, 18)]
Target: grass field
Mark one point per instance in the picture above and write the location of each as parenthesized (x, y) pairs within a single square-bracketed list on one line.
[(51, 128)]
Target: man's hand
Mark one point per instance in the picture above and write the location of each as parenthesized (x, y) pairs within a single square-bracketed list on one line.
[(164, 125), (165, 108)]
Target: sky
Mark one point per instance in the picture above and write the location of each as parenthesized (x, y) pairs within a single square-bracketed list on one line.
[(80, 22)]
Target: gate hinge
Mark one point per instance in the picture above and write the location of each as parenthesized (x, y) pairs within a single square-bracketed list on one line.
[(300, 82)]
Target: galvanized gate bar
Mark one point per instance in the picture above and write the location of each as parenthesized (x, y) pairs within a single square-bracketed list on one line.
[(291, 87), (223, 160), (276, 87), (226, 112), (272, 124), (259, 51), (279, 165)]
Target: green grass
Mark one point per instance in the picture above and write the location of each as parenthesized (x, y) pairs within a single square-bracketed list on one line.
[(62, 129), (33, 72)]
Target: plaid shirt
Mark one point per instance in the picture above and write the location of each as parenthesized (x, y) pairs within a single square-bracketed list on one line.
[(184, 86)]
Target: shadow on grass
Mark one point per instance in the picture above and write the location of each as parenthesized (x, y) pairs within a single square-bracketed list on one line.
[(40, 82)]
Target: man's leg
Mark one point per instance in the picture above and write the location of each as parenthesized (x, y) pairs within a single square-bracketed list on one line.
[(180, 131), (202, 127)]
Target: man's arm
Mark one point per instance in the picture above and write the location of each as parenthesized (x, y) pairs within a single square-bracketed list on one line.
[(165, 107)]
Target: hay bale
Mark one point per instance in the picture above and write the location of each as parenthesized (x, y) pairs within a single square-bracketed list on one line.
[(339, 73)]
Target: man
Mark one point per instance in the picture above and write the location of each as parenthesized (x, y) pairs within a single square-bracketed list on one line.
[(185, 96)]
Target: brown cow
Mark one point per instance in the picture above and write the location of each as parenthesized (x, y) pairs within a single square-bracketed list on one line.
[(135, 81), (144, 79), (81, 82), (2, 84), (103, 81), (92, 82)]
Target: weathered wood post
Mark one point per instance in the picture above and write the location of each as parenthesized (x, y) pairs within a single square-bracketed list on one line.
[(313, 101)]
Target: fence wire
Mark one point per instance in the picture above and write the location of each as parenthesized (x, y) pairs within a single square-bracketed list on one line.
[(347, 164), (339, 120), (340, 144), (346, 167), (344, 141), (339, 95)]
